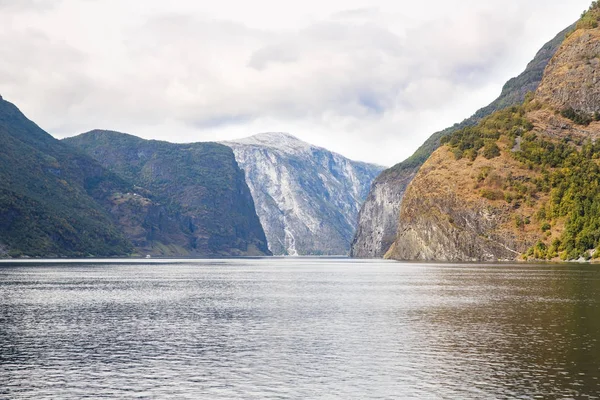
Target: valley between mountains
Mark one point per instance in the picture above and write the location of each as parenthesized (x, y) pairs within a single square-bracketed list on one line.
[(106, 193), (518, 180)]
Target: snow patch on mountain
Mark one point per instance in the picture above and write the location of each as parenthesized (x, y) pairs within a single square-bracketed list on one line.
[(306, 197)]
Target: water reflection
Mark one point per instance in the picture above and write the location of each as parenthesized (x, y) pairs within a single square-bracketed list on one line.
[(299, 328)]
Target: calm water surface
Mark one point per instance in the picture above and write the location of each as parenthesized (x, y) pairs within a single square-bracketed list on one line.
[(299, 328)]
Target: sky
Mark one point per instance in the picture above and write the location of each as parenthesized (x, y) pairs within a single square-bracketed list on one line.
[(371, 80)]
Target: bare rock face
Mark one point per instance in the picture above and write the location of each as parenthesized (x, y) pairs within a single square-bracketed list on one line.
[(378, 218), (3, 251), (572, 78), (307, 198), (442, 220)]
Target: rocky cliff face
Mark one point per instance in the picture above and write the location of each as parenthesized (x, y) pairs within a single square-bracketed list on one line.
[(573, 75), (188, 199), (442, 218), (378, 218), (307, 197), (520, 184)]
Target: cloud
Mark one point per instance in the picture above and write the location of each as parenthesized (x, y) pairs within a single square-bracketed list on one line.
[(28, 5), (49, 73), (356, 14), (370, 82)]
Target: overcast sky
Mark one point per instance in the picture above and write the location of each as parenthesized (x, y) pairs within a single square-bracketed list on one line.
[(368, 79)]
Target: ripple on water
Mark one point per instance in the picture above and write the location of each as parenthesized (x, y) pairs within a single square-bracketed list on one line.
[(299, 328)]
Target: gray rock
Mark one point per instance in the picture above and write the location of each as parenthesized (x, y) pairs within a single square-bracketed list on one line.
[(378, 217), (3, 251), (572, 76), (307, 198)]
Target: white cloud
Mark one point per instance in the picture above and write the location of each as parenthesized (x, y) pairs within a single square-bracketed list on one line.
[(369, 79), (27, 5)]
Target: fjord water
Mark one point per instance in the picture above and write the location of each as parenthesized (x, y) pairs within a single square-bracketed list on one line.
[(298, 328)]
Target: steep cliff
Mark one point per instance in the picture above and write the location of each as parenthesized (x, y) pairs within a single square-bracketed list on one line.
[(189, 199), (521, 184), (378, 218), (307, 197), (573, 75), (444, 218)]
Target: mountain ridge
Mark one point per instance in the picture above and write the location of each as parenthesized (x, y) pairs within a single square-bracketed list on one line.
[(307, 196), (287, 142), (523, 183), (192, 199), (378, 218)]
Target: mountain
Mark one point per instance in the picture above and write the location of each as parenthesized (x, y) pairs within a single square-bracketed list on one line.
[(307, 197), (525, 182), (378, 218), (189, 199), (53, 198)]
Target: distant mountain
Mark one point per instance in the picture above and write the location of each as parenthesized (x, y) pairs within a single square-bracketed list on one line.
[(378, 218), (307, 197), (52, 198), (190, 199)]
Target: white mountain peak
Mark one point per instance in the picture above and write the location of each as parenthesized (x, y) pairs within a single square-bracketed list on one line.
[(307, 198), (282, 141)]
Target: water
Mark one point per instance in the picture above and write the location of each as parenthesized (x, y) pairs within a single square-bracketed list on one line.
[(299, 328)]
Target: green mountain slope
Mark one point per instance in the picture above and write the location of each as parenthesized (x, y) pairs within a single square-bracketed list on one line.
[(51, 196), (190, 199)]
